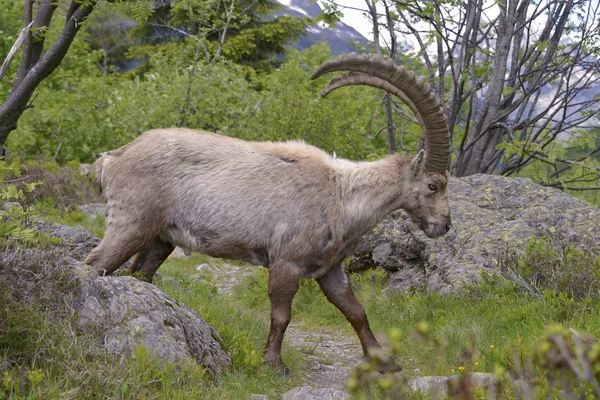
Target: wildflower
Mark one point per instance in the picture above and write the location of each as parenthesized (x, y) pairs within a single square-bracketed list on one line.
[(461, 368)]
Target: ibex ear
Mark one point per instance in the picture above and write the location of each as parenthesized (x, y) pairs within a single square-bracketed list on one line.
[(416, 165)]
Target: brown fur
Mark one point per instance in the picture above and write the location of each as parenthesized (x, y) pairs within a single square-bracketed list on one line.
[(287, 206)]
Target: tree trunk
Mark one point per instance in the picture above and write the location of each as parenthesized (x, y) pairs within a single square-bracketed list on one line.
[(34, 66)]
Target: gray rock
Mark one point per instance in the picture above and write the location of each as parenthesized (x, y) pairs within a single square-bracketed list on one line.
[(93, 209), (158, 277), (179, 253), (205, 268), (489, 214), (481, 378), (130, 312), (125, 311), (435, 386), (255, 396), (78, 241), (440, 386), (198, 278), (310, 393), (10, 204)]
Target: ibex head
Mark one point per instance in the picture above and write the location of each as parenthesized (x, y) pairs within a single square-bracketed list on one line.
[(427, 198), (425, 195)]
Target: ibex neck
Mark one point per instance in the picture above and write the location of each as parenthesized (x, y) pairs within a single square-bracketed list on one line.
[(372, 190)]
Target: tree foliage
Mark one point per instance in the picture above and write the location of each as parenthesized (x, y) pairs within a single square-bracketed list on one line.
[(217, 66), (95, 113), (44, 47), (244, 31), (518, 79)]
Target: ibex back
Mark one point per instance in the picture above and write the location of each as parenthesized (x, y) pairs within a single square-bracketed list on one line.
[(287, 206)]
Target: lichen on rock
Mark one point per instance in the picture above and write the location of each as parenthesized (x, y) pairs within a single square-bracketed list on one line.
[(490, 214), (131, 312)]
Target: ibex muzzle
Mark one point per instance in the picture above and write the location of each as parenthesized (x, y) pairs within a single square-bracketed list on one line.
[(287, 206)]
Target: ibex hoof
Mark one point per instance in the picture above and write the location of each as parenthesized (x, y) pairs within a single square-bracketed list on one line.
[(389, 367), (279, 367), (283, 370)]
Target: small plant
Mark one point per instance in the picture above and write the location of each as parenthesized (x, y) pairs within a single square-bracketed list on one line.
[(548, 265), (566, 365), (18, 214), (571, 362)]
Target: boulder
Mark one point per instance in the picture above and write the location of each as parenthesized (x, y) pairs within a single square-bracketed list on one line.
[(490, 214), (123, 311), (75, 241), (310, 393), (130, 312), (441, 386)]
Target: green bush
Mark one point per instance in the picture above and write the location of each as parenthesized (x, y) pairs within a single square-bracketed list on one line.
[(565, 364), (547, 264)]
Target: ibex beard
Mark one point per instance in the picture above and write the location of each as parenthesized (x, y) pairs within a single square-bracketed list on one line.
[(287, 206)]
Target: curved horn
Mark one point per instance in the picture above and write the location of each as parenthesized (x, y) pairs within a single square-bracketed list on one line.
[(436, 134), (358, 78)]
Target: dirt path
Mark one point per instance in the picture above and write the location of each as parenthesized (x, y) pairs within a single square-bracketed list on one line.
[(330, 354)]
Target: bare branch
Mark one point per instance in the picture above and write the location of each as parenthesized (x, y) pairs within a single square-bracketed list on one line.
[(14, 49)]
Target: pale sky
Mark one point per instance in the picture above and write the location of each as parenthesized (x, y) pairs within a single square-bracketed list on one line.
[(357, 19)]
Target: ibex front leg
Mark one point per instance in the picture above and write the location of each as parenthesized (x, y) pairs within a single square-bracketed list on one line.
[(284, 281), (337, 289)]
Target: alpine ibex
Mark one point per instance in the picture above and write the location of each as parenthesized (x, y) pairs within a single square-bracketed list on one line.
[(287, 206)]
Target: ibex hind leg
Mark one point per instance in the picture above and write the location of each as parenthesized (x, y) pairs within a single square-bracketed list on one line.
[(120, 243), (148, 260)]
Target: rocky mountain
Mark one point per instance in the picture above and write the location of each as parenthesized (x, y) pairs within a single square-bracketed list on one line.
[(340, 38)]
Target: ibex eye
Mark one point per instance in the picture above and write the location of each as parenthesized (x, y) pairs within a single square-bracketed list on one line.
[(432, 187)]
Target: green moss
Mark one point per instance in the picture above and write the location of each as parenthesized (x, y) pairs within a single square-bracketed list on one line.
[(169, 324)]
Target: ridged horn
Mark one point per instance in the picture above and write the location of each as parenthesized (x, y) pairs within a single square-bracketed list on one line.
[(358, 78), (385, 75)]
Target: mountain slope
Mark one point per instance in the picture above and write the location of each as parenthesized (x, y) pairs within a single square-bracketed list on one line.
[(340, 38)]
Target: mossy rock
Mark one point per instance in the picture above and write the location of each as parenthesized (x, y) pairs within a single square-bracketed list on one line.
[(490, 214), (122, 313)]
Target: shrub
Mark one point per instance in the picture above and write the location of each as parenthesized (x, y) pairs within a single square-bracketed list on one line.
[(565, 365), (65, 185), (549, 264), (43, 179)]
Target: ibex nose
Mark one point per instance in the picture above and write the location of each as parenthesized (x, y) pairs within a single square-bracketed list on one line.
[(448, 226)]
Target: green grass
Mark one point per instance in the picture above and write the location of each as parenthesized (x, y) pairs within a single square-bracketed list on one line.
[(71, 217), (243, 329), (41, 357), (490, 326), (494, 324)]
